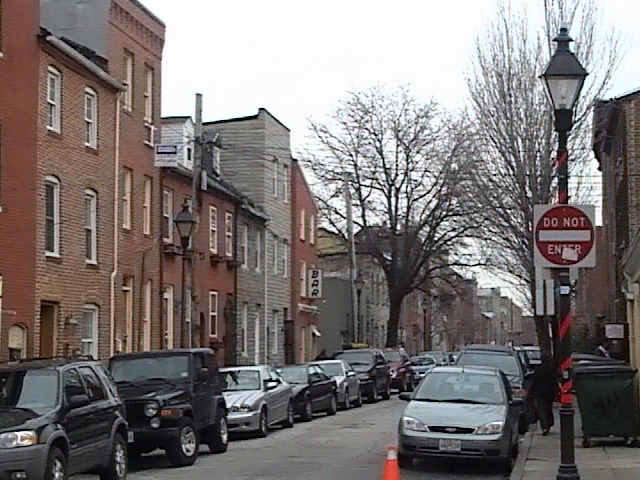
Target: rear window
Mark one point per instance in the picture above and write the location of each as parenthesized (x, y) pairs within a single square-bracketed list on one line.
[(507, 363), (357, 358), (393, 356)]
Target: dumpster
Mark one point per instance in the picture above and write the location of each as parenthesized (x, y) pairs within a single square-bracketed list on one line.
[(606, 398)]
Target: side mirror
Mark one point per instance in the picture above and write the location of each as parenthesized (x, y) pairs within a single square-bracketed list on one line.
[(517, 402), (351, 374), (270, 384), (77, 401), (203, 375), (405, 396)]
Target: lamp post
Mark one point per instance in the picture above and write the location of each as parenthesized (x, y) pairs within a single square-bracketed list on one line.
[(185, 223), (564, 78), (359, 284)]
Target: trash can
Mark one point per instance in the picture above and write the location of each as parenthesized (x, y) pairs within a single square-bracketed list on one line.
[(606, 398)]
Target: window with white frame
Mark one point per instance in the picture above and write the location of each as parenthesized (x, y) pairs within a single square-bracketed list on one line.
[(257, 335), (146, 319), (286, 180), (228, 233), (301, 226), (127, 293), (274, 178), (168, 315), (89, 330), (213, 314), (146, 206), (244, 330), (127, 73), (90, 226), (90, 118), (148, 94), (244, 245), (213, 229), (285, 259), (275, 327), (52, 216), (274, 255), (167, 215), (312, 229), (303, 279), (215, 159), (258, 251), (54, 99), (127, 185)]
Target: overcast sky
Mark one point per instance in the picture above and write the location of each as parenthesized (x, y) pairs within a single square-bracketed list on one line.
[(297, 58)]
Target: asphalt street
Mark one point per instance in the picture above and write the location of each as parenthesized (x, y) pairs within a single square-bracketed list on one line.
[(351, 445)]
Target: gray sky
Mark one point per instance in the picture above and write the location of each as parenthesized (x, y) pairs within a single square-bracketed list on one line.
[(297, 58)]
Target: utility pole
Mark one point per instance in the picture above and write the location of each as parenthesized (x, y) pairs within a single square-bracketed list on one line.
[(352, 259)]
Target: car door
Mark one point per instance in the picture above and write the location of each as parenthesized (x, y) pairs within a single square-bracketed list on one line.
[(102, 411), (381, 372), (201, 398), (77, 422), (514, 411), (315, 388), (352, 380), (280, 398), (328, 387)]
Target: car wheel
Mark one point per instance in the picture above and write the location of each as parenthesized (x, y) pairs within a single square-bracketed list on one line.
[(183, 450), (290, 420), (333, 405), (404, 461), (218, 434), (263, 424), (358, 402), (307, 411), (346, 405), (56, 465), (506, 464), (373, 396), (118, 462), (386, 395)]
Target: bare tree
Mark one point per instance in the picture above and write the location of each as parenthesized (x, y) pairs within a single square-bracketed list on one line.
[(408, 167), (514, 123)]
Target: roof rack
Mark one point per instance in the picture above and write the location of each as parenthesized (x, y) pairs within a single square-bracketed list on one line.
[(58, 357)]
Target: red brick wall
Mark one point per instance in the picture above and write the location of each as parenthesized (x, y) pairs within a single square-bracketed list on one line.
[(18, 185)]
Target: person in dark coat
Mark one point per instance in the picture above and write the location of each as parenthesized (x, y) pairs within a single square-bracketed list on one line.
[(602, 350), (544, 387)]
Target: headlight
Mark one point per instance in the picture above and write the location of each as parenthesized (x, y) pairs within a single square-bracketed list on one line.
[(241, 408), (24, 438), (363, 376), (392, 371), (490, 428), (410, 423), (151, 409)]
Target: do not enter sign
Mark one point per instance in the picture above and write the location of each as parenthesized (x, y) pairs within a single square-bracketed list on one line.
[(564, 236)]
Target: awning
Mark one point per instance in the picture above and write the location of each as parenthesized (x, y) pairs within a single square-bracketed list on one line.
[(315, 331)]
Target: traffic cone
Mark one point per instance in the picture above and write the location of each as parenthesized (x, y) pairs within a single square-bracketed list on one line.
[(391, 470)]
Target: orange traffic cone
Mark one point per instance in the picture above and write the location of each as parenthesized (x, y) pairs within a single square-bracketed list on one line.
[(391, 470)]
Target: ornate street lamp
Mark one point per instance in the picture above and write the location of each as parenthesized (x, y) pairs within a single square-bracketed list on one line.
[(185, 223), (564, 79)]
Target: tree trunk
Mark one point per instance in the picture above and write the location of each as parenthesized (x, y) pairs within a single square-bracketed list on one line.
[(395, 308)]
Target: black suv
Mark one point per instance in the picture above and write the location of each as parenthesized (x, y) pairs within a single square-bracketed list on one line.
[(60, 417), (373, 371), (174, 400)]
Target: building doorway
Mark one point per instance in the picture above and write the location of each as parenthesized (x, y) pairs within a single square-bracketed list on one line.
[(17, 342), (48, 330), (289, 341)]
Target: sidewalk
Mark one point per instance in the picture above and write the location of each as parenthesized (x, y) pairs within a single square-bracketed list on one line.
[(539, 457)]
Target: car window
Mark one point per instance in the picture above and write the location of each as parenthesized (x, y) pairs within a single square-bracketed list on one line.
[(393, 356), (381, 359), (461, 388), (96, 392), (273, 375), (333, 369), (356, 358), (73, 384), (295, 374), (198, 362), (31, 389), (509, 364), (240, 380)]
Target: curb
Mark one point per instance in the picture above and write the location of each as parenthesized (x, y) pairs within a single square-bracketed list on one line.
[(518, 470)]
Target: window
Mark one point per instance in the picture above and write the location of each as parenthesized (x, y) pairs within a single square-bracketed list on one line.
[(301, 227), (274, 255), (89, 330), (126, 198), (213, 314), (90, 118), (258, 250), (72, 384), (96, 392), (127, 294), (148, 94), (52, 217), (303, 279), (146, 206), (274, 179), (256, 335), (90, 226), (213, 229), (312, 229), (54, 95), (167, 215), (228, 232), (127, 72), (244, 245), (275, 327), (285, 260), (216, 160), (244, 330), (167, 312), (146, 319), (285, 180)]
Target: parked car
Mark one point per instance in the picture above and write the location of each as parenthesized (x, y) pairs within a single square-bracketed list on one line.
[(399, 369), (534, 353), (465, 412), (507, 360), (174, 400), (443, 358), (347, 380), (373, 371), (257, 398), (421, 365), (313, 390), (60, 417)]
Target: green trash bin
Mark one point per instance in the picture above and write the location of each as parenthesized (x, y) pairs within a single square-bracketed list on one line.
[(607, 402)]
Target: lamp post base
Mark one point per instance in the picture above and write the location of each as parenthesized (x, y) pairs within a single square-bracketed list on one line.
[(568, 470)]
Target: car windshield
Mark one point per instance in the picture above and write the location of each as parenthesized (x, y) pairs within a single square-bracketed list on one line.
[(507, 363), (393, 356), (239, 380), (460, 388), (534, 354), (422, 361), (294, 374), (172, 367), (357, 358), (29, 389), (333, 369)]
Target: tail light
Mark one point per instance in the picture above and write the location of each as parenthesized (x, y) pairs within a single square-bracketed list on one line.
[(519, 392)]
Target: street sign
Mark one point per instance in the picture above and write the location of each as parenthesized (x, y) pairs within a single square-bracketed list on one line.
[(564, 236)]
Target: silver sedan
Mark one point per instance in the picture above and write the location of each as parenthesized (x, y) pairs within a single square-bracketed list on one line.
[(257, 398), (347, 379)]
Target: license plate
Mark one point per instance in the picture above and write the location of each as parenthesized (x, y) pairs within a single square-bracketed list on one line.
[(450, 445), (130, 437)]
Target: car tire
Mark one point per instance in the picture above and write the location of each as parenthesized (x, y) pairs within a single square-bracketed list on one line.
[(346, 405), (404, 461), (358, 402), (386, 395), (218, 434), (183, 450), (333, 405), (56, 465), (373, 396), (290, 420), (307, 410), (263, 423), (118, 464)]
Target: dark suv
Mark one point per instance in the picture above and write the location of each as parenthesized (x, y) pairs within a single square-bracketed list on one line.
[(373, 371), (173, 399), (60, 417)]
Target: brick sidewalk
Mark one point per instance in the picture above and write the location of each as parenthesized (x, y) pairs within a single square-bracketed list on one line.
[(540, 456)]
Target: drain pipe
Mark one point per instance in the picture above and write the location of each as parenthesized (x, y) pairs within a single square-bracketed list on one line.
[(116, 230)]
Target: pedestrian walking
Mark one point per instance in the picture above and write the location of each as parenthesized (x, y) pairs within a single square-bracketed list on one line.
[(602, 350), (544, 387)]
